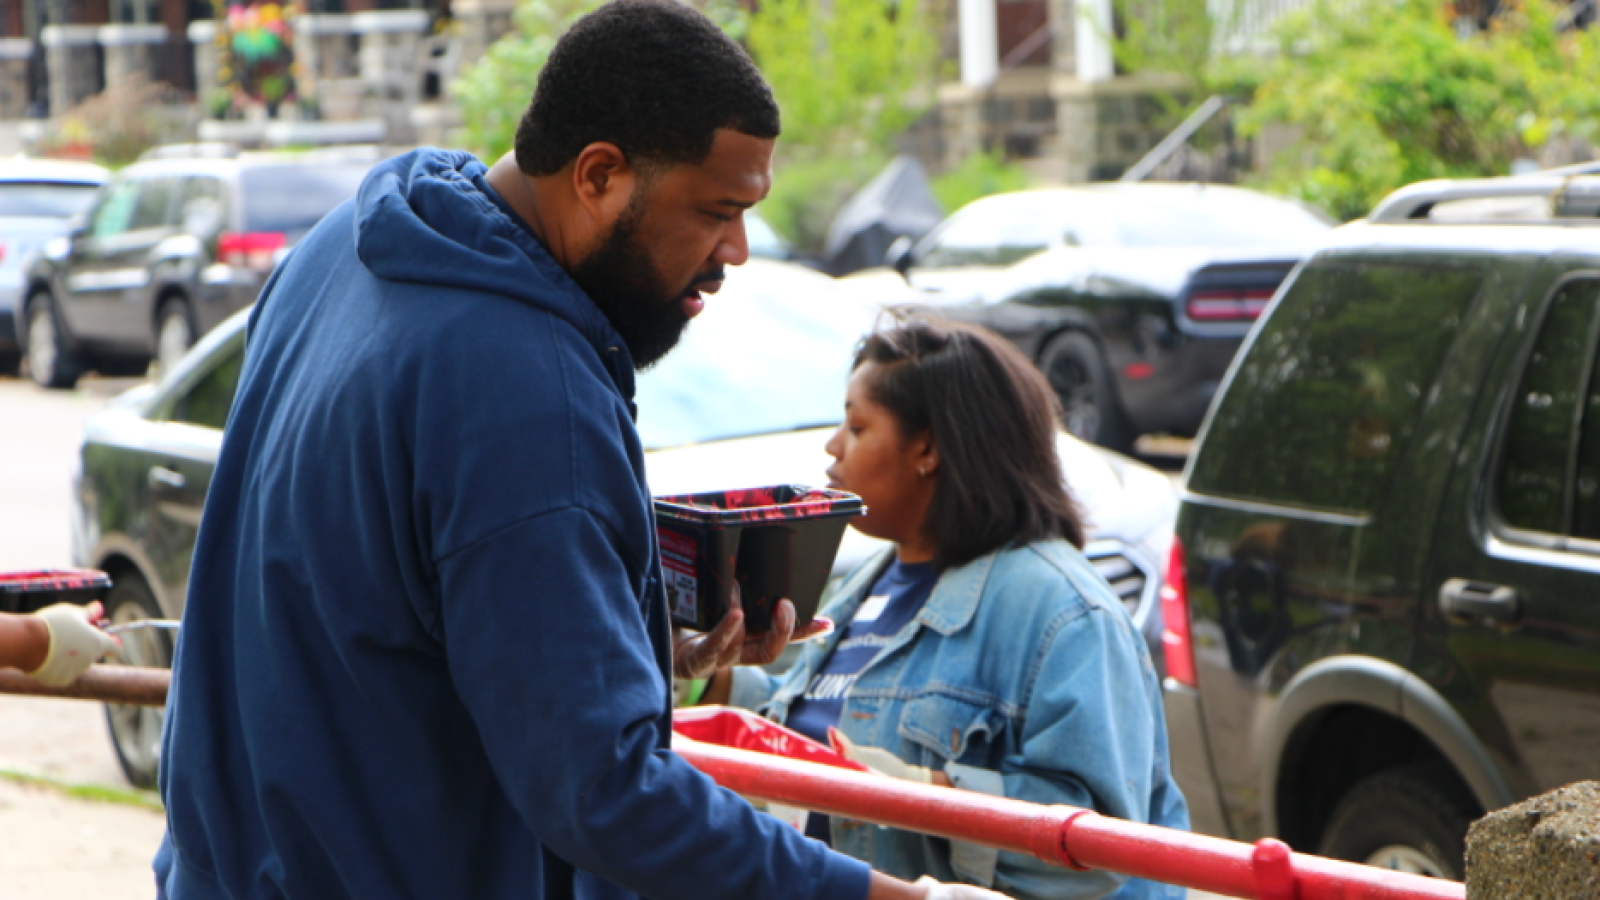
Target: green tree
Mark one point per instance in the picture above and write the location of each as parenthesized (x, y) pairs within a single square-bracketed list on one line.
[(849, 76), (493, 92), (1386, 93)]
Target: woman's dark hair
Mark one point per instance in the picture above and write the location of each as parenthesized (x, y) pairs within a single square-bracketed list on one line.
[(993, 419), (654, 77)]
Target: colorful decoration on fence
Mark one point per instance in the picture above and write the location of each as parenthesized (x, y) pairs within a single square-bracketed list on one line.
[(256, 46)]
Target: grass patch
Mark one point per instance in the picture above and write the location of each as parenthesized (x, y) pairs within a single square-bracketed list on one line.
[(97, 793)]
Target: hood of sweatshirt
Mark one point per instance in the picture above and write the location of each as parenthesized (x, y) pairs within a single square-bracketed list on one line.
[(430, 217)]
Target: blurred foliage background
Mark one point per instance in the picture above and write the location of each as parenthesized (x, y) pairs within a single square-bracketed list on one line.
[(1375, 94), (1389, 93), (1382, 93), (849, 77)]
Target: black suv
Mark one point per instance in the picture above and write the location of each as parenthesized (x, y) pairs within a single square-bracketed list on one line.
[(1383, 607), (170, 249)]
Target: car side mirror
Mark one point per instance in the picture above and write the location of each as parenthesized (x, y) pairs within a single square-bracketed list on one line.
[(898, 256)]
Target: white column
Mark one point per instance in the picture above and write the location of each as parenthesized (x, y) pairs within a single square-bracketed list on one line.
[(1093, 41), (980, 43)]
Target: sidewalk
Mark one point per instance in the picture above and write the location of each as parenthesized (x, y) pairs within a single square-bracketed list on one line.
[(58, 846)]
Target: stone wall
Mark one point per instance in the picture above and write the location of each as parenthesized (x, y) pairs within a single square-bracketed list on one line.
[(1062, 129), (1546, 848)]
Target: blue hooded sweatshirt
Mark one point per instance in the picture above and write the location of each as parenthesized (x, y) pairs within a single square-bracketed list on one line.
[(426, 649)]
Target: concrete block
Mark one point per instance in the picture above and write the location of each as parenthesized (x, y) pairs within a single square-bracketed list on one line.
[(1546, 848)]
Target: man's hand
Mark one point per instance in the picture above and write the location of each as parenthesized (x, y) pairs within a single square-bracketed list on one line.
[(75, 642), (698, 655)]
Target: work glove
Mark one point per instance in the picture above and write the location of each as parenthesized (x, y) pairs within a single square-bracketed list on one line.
[(884, 763), (75, 643), (939, 890)]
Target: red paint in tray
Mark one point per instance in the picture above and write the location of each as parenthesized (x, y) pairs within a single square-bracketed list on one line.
[(30, 591), (774, 542)]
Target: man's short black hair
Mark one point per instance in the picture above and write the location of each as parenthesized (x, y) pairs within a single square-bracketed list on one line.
[(654, 77)]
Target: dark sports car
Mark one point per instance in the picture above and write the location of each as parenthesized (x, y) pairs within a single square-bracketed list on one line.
[(1132, 298)]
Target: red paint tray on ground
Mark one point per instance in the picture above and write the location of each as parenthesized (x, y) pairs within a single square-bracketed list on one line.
[(30, 591), (774, 542)]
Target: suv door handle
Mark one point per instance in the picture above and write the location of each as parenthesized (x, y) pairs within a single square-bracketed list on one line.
[(1476, 600), (166, 478)]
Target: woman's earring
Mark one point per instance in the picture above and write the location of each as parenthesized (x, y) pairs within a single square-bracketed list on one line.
[(923, 471)]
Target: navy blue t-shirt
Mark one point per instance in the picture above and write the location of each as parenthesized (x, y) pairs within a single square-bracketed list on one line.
[(893, 601)]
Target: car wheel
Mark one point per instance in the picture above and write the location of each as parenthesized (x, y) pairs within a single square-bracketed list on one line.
[(136, 730), (1073, 365), (174, 334), (1412, 819), (50, 363)]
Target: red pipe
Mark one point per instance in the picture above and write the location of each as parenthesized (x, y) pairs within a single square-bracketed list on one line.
[(1062, 835)]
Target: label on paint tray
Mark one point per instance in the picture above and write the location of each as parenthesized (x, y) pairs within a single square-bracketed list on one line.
[(678, 554)]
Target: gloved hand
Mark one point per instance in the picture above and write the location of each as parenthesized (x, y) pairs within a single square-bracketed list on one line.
[(75, 643), (881, 761), (939, 890)]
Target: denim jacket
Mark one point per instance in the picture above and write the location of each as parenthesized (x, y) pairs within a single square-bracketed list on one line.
[(1022, 676)]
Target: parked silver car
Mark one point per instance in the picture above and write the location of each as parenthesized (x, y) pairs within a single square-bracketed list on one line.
[(170, 249), (38, 200)]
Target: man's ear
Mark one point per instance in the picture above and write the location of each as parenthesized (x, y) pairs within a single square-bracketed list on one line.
[(603, 182)]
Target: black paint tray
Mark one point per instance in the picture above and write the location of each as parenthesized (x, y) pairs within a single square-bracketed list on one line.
[(775, 542), (22, 592)]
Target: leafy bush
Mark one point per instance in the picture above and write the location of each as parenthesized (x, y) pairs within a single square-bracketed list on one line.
[(848, 75), (115, 126), (1386, 93), (979, 175), (494, 91)]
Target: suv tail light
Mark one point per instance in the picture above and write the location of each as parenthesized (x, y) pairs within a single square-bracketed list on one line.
[(256, 250), (1176, 646), (1227, 305)]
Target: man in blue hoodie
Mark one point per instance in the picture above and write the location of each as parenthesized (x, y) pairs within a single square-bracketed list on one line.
[(426, 653)]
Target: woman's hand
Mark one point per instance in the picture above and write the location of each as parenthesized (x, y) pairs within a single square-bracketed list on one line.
[(698, 655), (883, 762)]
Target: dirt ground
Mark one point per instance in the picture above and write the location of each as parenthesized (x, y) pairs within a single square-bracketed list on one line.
[(55, 846), (58, 847)]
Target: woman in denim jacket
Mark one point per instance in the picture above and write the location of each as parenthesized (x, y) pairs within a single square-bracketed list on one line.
[(983, 651)]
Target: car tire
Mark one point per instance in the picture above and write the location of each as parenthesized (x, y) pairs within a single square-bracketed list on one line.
[(136, 730), (1412, 819), (50, 363), (175, 333), (1077, 372)]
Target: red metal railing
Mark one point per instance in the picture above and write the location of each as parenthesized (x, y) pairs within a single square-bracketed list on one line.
[(1063, 835)]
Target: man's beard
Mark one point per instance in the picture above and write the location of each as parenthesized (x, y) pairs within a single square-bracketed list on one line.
[(621, 279)]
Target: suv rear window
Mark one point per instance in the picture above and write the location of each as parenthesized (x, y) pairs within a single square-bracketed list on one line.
[(1327, 397), (291, 199)]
